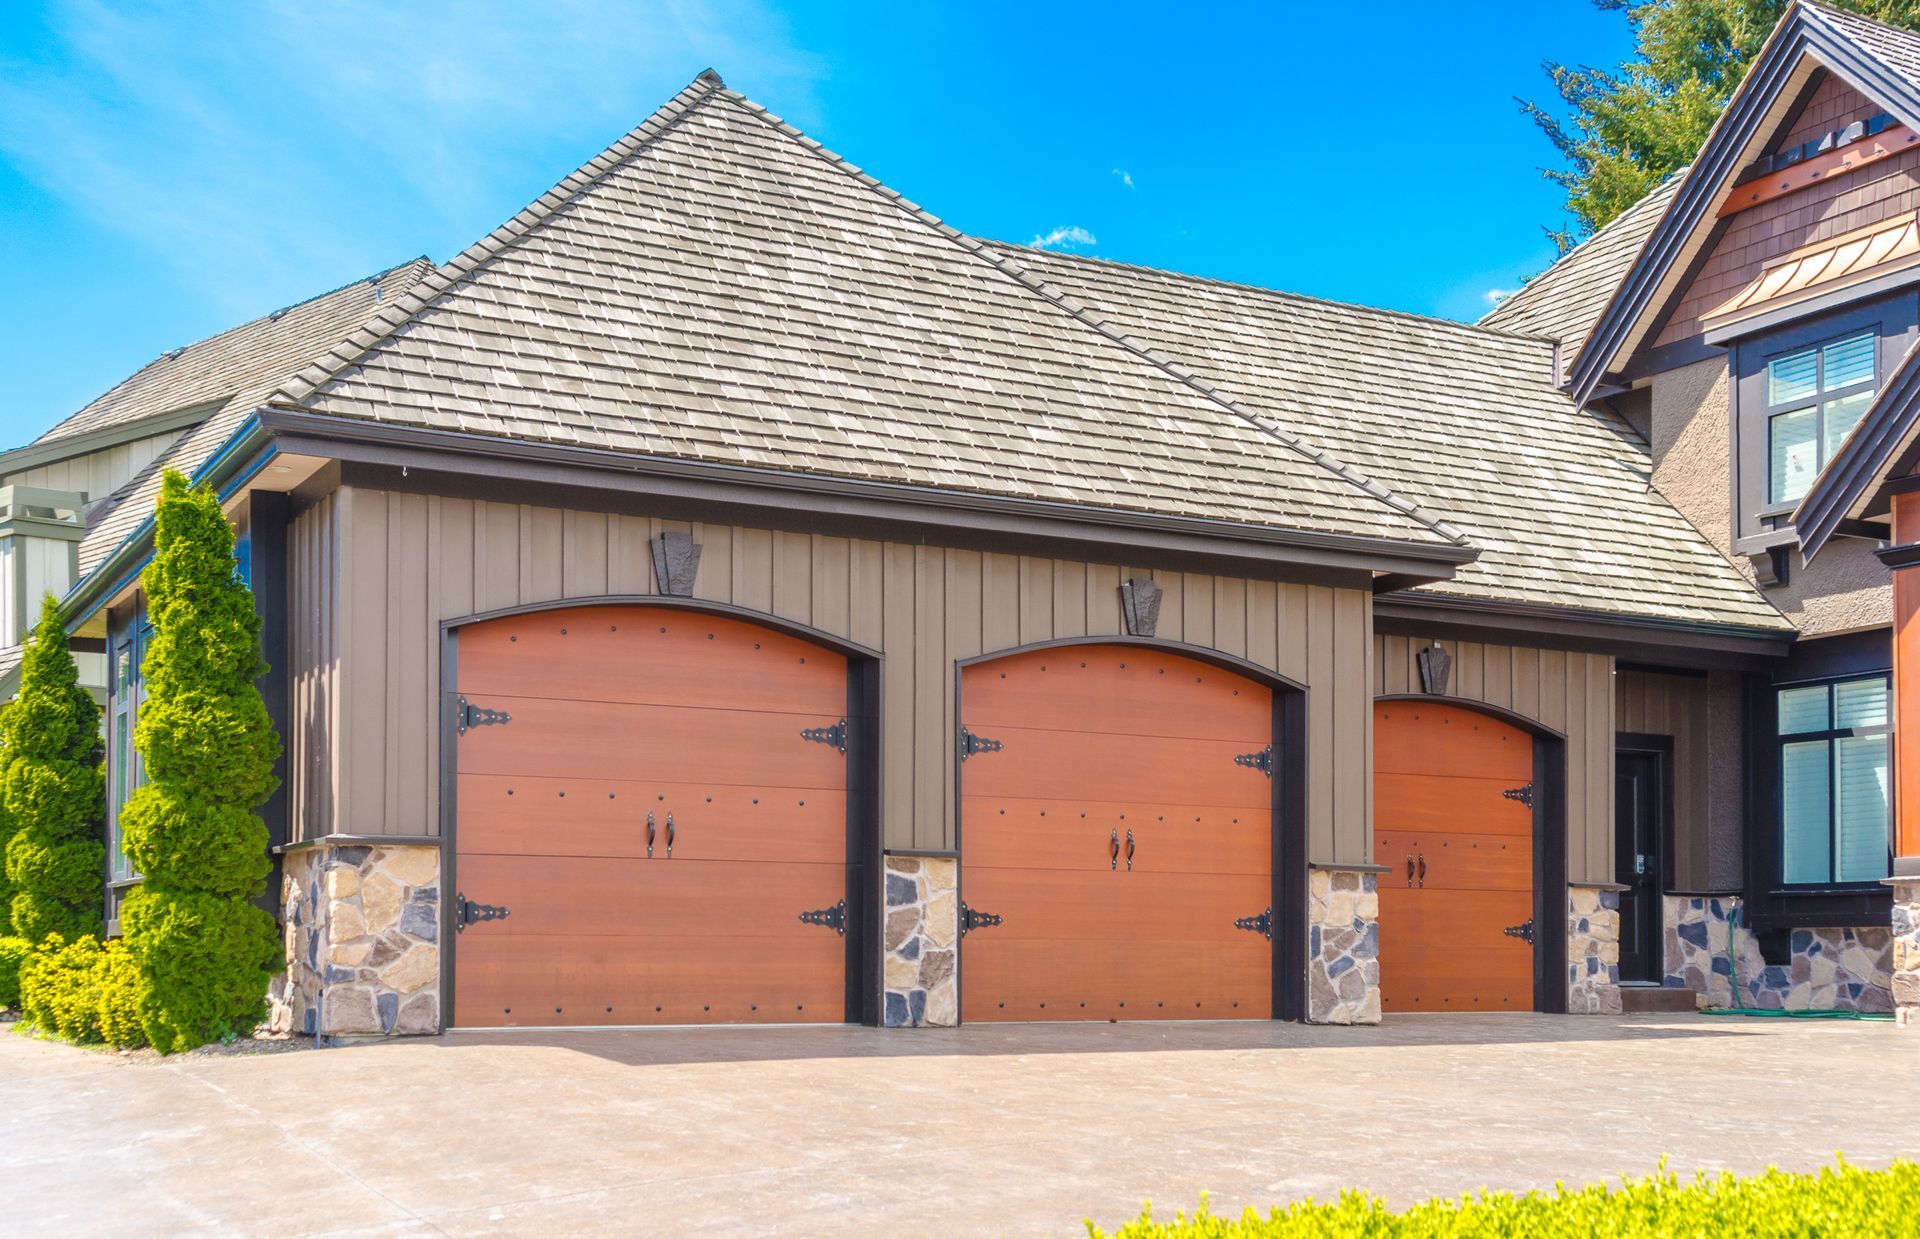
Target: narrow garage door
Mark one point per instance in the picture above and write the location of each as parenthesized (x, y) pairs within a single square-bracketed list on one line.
[(1116, 832), (1459, 857), (651, 821)]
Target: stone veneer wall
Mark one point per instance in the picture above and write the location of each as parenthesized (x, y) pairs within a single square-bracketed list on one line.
[(921, 942), (362, 926), (1593, 951), (1905, 962), (1343, 947), (1843, 969)]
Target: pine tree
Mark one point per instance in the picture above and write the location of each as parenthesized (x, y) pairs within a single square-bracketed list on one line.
[(52, 791), (1629, 128), (204, 952)]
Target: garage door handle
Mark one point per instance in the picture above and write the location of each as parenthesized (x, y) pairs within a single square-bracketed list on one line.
[(649, 832), (1113, 850), (1129, 851), (669, 834), (1423, 869), (1409, 869)]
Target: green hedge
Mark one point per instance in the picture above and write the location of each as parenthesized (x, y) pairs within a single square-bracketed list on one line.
[(14, 953), (1842, 1201), (82, 991)]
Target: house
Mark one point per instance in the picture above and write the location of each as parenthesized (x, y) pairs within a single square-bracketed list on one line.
[(728, 594)]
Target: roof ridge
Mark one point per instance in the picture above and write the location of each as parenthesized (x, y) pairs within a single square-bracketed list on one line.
[(1266, 290), (980, 249), (310, 378)]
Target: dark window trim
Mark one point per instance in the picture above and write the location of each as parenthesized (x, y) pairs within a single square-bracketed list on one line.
[(1895, 320), (1827, 736)]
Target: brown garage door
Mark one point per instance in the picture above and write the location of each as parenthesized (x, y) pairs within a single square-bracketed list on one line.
[(651, 819), (1459, 857), (1108, 822)]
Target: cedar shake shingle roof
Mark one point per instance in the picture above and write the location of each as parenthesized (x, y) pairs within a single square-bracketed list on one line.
[(229, 373), (1563, 302), (717, 287), (1462, 419)]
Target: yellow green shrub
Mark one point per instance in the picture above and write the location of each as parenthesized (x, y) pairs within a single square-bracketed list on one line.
[(13, 954), (1843, 1202), (82, 991)]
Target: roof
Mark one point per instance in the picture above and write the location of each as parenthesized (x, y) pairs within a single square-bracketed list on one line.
[(1881, 61), (1883, 447), (716, 287), (1461, 418), (1562, 302), (227, 374), (1845, 261)]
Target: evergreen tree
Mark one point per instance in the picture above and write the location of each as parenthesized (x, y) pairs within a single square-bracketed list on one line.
[(52, 791), (203, 951), (1628, 128)]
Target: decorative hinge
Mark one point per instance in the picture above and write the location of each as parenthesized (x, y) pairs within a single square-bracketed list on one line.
[(1523, 794), (466, 912), (834, 918), (1261, 761), (971, 744), (1524, 932), (479, 716), (835, 735), (1262, 924), (972, 919)]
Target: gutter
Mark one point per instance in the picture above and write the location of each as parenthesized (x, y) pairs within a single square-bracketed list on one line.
[(1420, 612)]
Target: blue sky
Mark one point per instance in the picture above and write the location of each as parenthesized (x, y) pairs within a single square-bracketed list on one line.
[(169, 170)]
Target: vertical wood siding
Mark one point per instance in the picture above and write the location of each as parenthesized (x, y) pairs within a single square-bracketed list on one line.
[(313, 640), (1677, 706), (1571, 693), (97, 474), (405, 563)]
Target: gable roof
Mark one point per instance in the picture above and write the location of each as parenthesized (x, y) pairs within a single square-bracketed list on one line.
[(1562, 302), (1881, 61), (1463, 418), (716, 287), (224, 376)]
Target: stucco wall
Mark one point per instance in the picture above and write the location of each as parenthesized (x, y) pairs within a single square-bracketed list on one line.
[(1845, 590)]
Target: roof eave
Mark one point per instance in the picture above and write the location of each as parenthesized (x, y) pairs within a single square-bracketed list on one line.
[(1801, 35)]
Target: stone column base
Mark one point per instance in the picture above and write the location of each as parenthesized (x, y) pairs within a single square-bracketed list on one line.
[(1593, 951), (362, 926), (1826, 969), (1905, 952), (1343, 947), (920, 942)]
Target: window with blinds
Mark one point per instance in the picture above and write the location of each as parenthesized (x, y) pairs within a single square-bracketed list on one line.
[(1835, 782), (1815, 397)]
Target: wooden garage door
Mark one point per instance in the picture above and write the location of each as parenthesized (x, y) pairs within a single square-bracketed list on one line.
[(1459, 858), (1106, 820), (652, 821)]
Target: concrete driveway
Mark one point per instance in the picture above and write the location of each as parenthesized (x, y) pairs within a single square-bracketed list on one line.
[(1016, 1129)]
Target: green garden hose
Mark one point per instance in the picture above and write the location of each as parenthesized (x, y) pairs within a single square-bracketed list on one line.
[(1739, 1008)]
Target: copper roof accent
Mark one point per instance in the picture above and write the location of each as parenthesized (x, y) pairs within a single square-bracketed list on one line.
[(1824, 266)]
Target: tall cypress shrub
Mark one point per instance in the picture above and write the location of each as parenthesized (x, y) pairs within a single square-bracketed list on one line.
[(203, 951), (52, 791)]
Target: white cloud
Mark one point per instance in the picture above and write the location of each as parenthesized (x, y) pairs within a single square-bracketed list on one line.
[(1126, 177), (1065, 237), (1494, 296)]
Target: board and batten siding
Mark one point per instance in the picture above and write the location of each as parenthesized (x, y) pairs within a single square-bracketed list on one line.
[(1572, 693), (96, 474), (1702, 714), (375, 573)]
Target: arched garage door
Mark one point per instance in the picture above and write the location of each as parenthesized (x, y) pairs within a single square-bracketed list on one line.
[(1454, 828), (640, 822), (1117, 838)]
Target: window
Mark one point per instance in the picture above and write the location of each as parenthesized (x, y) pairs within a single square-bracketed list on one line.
[(122, 761), (1815, 397), (1798, 392), (1835, 789)]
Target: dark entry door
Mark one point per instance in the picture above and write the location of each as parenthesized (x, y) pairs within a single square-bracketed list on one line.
[(1639, 807)]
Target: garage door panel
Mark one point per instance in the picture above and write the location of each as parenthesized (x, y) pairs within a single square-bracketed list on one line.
[(1454, 861), (1053, 834), (1452, 803), (587, 739), (1417, 738), (1125, 692), (1115, 905), (1070, 766), (561, 980), (649, 898), (519, 814), (1113, 980), (612, 654)]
